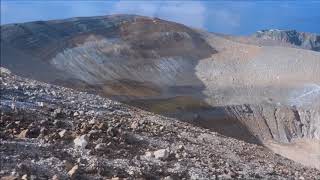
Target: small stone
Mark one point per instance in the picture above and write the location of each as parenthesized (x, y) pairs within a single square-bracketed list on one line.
[(22, 167), (75, 114), (99, 140), (301, 178), (40, 104), (24, 177), (161, 154), (134, 125), (149, 154), (73, 172), (33, 132), (185, 154), (68, 165), (10, 125), (180, 147), (112, 131), (100, 146), (55, 177), (92, 121), (29, 133), (23, 134), (81, 161), (94, 134), (168, 178), (63, 133), (13, 106), (103, 126), (81, 141), (130, 172), (84, 127), (57, 113), (44, 122), (14, 173), (53, 93)]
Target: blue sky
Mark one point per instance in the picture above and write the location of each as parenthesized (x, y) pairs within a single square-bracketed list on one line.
[(229, 17)]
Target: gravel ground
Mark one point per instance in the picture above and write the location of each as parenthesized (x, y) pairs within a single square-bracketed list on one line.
[(51, 132)]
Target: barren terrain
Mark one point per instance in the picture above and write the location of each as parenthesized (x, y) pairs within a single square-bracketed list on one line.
[(54, 132), (260, 90)]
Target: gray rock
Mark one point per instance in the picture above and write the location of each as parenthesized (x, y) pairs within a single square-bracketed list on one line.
[(65, 134), (100, 146), (73, 172), (57, 113), (162, 154), (55, 177), (75, 114), (149, 154), (81, 141), (93, 121), (168, 178), (112, 131)]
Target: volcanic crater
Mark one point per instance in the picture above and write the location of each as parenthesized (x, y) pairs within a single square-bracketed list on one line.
[(258, 93)]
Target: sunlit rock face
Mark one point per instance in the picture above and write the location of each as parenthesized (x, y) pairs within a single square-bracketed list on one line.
[(278, 37), (301, 39), (244, 90)]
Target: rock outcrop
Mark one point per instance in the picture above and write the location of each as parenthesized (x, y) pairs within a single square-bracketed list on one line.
[(279, 123), (277, 37), (301, 39)]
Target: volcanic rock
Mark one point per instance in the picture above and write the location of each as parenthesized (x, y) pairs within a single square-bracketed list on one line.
[(81, 141), (73, 172), (162, 154)]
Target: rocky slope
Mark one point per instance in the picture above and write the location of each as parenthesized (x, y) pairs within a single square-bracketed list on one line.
[(249, 90), (277, 37), (48, 131)]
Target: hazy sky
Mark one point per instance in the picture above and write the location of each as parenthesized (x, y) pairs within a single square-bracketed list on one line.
[(230, 17)]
